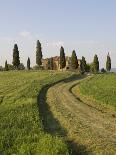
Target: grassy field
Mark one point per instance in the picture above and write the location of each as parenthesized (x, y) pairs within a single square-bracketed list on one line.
[(101, 88), (88, 129), (21, 129), (38, 117)]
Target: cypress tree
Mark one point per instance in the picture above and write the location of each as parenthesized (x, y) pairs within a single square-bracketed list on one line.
[(96, 64), (16, 58), (83, 65), (108, 63), (74, 60), (92, 68), (28, 63), (6, 66), (38, 54), (62, 58)]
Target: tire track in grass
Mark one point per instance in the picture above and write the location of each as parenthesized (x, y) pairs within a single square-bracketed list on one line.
[(52, 125)]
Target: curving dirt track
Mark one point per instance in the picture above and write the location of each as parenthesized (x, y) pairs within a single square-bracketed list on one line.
[(90, 130)]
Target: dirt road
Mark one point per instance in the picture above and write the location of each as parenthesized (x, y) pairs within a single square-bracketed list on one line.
[(88, 129)]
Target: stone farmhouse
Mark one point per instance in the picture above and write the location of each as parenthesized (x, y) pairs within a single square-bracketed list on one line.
[(56, 63)]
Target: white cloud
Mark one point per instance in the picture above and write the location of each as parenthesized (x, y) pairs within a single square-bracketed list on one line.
[(25, 34), (55, 44)]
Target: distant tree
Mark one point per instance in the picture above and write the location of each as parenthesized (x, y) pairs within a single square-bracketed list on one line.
[(62, 58), (16, 58), (21, 66), (96, 64), (103, 70), (38, 54), (83, 65), (74, 60), (88, 67), (36, 67), (1, 68), (28, 63), (10, 67), (108, 63), (92, 68), (6, 66)]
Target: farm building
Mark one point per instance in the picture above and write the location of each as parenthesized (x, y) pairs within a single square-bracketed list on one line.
[(53, 63)]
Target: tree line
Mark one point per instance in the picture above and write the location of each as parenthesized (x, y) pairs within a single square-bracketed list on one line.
[(83, 67)]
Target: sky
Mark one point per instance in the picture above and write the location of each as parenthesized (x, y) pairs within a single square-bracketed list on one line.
[(86, 26)]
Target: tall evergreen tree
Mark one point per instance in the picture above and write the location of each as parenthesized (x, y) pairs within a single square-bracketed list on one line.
[(83, 65), (38, 54), (28, 63), (96, 64), (62, 58), (108, 63), (74, 60), (6, 66), (16, 58)]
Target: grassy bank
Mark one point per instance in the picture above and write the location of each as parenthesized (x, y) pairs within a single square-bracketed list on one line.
[(102, 88), (21, 130)]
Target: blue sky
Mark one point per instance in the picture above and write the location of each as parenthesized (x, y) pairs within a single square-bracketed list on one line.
[(88, 26)]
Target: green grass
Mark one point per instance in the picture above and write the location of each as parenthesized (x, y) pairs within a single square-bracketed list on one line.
[(88, 126), (21, 130), (102, 88)]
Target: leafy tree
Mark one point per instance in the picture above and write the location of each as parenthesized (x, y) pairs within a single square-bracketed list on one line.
[(108, 63), (6, 66), (62, 58), (74, 61), (88, 67), (10, 67), (96, 64), (1, 68), (28, 63), (16, 58), (21, 66), (38, 54), (92, 68), (103, 70), (36, 67), (83, 65)]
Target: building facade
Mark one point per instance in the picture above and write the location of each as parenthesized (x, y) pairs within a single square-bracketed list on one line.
[(53, 63)]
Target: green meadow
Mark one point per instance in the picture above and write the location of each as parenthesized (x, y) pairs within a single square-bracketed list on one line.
[(102, 88), (21, 129)]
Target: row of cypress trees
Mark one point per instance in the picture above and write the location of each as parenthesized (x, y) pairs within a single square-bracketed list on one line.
[(74, 61), (94, 67)]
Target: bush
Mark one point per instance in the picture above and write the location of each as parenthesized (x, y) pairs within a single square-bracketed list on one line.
[(10, 67), (21, 66), (103, 70), (87, 67), (1, 68), (36, 67)]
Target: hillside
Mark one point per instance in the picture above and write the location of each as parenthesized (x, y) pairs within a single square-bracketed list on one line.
[(48, 113), (101, 88), (21, 129), (85, 126)]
